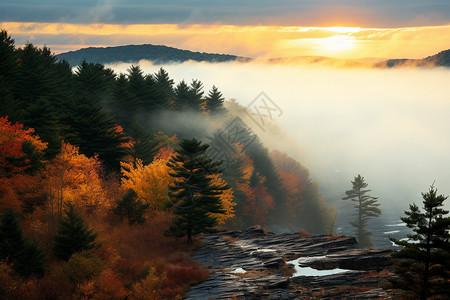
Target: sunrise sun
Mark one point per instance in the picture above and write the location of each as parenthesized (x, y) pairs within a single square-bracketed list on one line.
[(336, 43)]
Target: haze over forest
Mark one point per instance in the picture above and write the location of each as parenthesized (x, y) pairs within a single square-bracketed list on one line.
[(389, 125), (131, 133)]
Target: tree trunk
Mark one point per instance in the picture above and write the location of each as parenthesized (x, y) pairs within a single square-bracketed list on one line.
[(359, 221)]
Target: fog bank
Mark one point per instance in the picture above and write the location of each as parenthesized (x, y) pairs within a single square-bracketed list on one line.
[(391, 126)]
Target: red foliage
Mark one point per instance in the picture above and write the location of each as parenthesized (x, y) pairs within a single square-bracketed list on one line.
[(14, 164), (165, 153), (258, 203)]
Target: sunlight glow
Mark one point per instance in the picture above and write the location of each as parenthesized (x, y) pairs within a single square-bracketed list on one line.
[(249, 41), (337, 43)]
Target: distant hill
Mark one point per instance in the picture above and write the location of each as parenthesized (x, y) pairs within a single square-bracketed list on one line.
[(163, 54), (442, 59), (135, 53)]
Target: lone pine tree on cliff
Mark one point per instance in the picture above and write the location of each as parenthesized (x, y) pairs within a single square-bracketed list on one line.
[(194, 195), (366, 207), (423, 265)]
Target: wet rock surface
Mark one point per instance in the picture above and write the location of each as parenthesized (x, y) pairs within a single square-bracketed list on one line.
[(252, 264)]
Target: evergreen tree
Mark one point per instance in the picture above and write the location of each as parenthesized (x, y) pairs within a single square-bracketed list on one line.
[(8, 76), (214, 102), (137, 88), (94, 131), (195, 99), (95, 81), (144, 146), (26, 256), (194, 195), (131, 208), (165, 85), (122, 108), (423, 265), (366, 206), (182, 94), (73, 235), (41, 93)]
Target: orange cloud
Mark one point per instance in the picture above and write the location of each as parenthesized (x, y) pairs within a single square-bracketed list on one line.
[(250, 41)]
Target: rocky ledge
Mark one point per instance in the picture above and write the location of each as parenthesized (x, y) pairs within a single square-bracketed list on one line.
[(253, 264)]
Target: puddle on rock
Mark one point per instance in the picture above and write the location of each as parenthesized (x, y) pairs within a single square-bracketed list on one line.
[(238, 271), (308, 271)]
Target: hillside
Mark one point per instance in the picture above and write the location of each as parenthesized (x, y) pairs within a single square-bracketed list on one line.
[(135, 53), (442, 59)]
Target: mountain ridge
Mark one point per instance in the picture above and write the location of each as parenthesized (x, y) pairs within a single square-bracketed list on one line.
[(441, 59), (159, 54), (134, 53)]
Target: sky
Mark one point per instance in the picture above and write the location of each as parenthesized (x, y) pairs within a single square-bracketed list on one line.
[(253, 28)]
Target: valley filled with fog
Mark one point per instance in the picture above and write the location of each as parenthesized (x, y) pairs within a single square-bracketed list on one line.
[(389, 125)]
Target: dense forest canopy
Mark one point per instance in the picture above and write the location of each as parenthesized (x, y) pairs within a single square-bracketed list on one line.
[(87, 150)]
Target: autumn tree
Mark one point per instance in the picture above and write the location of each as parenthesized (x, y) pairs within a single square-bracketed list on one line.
[(21, 153), (73, 177), (195, 197), (150, 182), (366, 207), (73, 235), (131, 207), (26, 257), (305, 206), (423, 264)]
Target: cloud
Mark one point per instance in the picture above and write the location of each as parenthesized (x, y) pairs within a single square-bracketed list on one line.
[(370, 13), (390, 126), (249, 41)]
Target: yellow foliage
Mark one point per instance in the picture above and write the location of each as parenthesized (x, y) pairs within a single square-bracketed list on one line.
[(227, 200), (76, 178), (150, 182)]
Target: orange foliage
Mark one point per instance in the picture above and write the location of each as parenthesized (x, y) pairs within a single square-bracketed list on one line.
[(12, 137), (227, 200), (127, 144), (165, 153), (247, 162), (259, 202), (14, 164), (152, 264), (74, 177), (150, 182)]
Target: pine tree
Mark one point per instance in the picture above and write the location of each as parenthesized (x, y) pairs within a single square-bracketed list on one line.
[(131, 208), (42, 93), (94, 131), (144, 146), (95, 81), (8, 76), (165, 85), (26, 256), (366, 207), (196, 95), (194, 196), (423, 265), (137, 88), (73, 235), (182, 94), (214, 102)]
